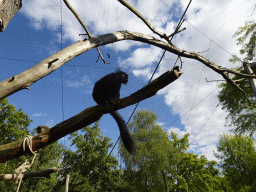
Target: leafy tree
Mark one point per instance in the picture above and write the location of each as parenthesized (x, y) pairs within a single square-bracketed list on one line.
[(148, 169), (237, 155), (89, 166), (241, 113), (247, 40), (13, 126), (158, 160), (198, 174), (193, 173)]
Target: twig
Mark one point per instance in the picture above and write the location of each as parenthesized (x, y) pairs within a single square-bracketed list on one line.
[(237, 73), (123, 2), (85, 28), (162, 35), (174, 33), (78, 18)]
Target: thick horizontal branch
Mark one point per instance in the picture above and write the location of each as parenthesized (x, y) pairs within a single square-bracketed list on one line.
[(86, 117), (30, 76)]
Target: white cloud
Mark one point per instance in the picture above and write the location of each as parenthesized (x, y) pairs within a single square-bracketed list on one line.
[(37, 115), (142, 72), (177, 131), (86, 80), (160, 123), (50, 123), (143, 57), (73, 80), (74, 83)]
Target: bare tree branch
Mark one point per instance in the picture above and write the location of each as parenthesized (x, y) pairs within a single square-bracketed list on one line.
[(30, 76), (88, 116), (162, 35), (123, 2), (174, 33), (78, 18), (84, 26), (237, 73)]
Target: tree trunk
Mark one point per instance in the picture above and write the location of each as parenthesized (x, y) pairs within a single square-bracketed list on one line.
[(166, 185)]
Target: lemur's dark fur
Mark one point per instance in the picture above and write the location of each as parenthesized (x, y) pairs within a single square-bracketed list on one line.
[(107, 89)]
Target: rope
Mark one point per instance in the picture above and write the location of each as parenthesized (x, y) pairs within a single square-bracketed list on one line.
[(25, 166)]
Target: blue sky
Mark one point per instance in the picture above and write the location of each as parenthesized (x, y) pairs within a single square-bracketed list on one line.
[(34, 34)]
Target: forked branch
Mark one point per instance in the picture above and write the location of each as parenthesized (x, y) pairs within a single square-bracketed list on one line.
[(85, 28)]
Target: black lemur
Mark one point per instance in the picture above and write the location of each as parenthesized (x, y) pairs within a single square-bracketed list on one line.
[(108, 89)]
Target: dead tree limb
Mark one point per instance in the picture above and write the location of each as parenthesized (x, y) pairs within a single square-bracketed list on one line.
[(30, 76), (88, 116), (84, 26), (162, 35)]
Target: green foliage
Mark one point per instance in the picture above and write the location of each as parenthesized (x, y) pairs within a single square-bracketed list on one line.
[(182, 144), (13, 124), (199, 174), (88, 166), (237, 155), (241, 113), (156, 154), (247, 39), (143, 171)]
